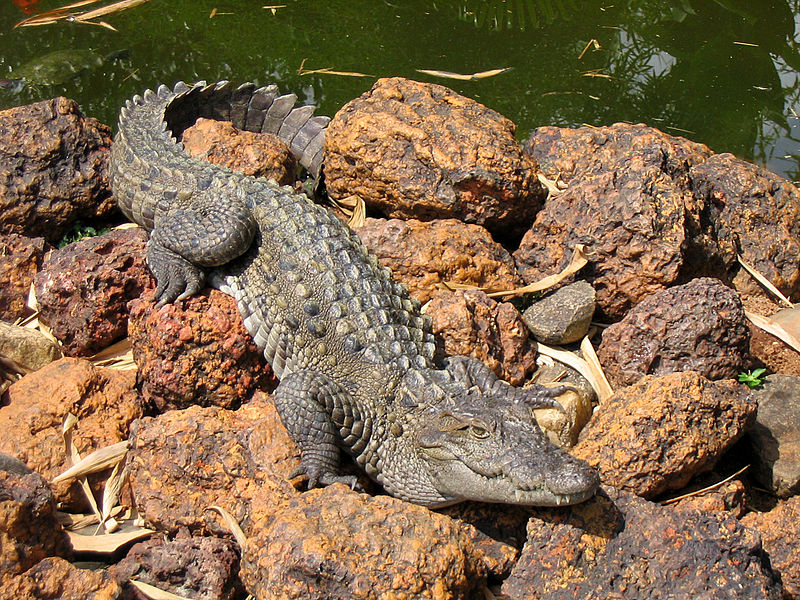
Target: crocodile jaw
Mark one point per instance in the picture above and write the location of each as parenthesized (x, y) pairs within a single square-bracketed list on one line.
[(455, 479), (511, 462)]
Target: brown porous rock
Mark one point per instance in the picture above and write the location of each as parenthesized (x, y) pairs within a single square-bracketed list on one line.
[(754, 213), (657, 434), (56, 579), (201, 568), (471, 324), (83, 289), (628, 200), (419, 150), (780, 530), (423, 255), (699, 326), (29, 527), (655, 210), (35, 407), (623, 547), (254, 154), (182, 462), (729, 497), (195, 352), (53, 169), (20, 259), (337, 543)]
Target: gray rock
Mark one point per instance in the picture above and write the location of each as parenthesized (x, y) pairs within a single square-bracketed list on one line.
[(775, 438), (28, 349), (564, 316)]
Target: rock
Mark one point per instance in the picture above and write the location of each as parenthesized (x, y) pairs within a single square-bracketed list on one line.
[(775, 437), (754, 213), (29, 528), (619, 546), (699, 326), (729, 497), (336, 543), (20, 259), (53, 169), (472, 324), (254, 154), (573, 155), (563, 316), (28, 349), (655, 210), (425, 254), (84, 288), (182, 462), (56, 579), (201, 568), (422, 151), (629, 200), (657, 434), (779, 530), (104, 400), (195, 352)]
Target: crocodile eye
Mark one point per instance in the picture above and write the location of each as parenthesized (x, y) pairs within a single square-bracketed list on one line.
[(478, 432)]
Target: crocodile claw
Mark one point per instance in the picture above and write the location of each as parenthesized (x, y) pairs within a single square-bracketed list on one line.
[(324, 479), (540, 396), (176, 277)]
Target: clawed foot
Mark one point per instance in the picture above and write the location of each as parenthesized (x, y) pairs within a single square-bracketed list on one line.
[(176, 277), (318, 478), (540, 396)]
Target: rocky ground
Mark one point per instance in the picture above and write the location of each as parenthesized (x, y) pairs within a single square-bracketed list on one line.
[(701, 473)]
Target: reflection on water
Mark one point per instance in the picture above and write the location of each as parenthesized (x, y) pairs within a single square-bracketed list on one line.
[(724, 73)]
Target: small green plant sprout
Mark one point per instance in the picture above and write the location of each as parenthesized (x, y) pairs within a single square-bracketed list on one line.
[(79, 232), (752, 379)]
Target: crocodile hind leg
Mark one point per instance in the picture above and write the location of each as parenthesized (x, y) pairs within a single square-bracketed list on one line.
[(471, 372), (199, 230), (304, 401)]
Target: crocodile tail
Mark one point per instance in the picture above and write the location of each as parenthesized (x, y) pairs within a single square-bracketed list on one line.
[(256, 109)]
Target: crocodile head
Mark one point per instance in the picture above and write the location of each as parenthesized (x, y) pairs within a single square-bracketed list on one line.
[(485, 449)]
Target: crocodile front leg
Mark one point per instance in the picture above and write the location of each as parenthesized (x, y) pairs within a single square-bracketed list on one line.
[(471, 372), (307, 404), (199, 230)]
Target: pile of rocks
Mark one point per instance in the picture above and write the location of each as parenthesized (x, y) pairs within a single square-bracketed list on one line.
[(458, 209)]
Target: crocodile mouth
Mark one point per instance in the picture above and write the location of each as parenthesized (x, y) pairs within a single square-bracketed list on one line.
[(458, 479)]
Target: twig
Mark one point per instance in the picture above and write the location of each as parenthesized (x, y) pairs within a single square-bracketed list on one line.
[(706, 489)]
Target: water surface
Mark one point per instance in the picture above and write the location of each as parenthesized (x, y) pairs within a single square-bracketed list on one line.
[(724, 72)]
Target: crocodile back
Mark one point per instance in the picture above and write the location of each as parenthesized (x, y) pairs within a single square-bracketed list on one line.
[(309, 292)]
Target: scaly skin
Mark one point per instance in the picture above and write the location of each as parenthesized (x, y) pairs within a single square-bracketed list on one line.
[(352, 351)]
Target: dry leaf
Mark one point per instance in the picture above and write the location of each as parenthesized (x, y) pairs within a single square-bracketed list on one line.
[(590, 356), (96, 461), (578, 261), (774, 328), (155, 593), (461, 77), (764, 281), (233, 525), (107, 543), (601, 387)]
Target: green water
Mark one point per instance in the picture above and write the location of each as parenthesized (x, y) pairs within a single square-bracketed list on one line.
[(724, 73)]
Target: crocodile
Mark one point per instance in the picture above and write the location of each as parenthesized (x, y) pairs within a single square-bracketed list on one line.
[(353, 352)]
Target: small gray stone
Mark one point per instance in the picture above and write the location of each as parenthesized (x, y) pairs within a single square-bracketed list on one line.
[(775, 438), (28, 349), (564, 316)]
